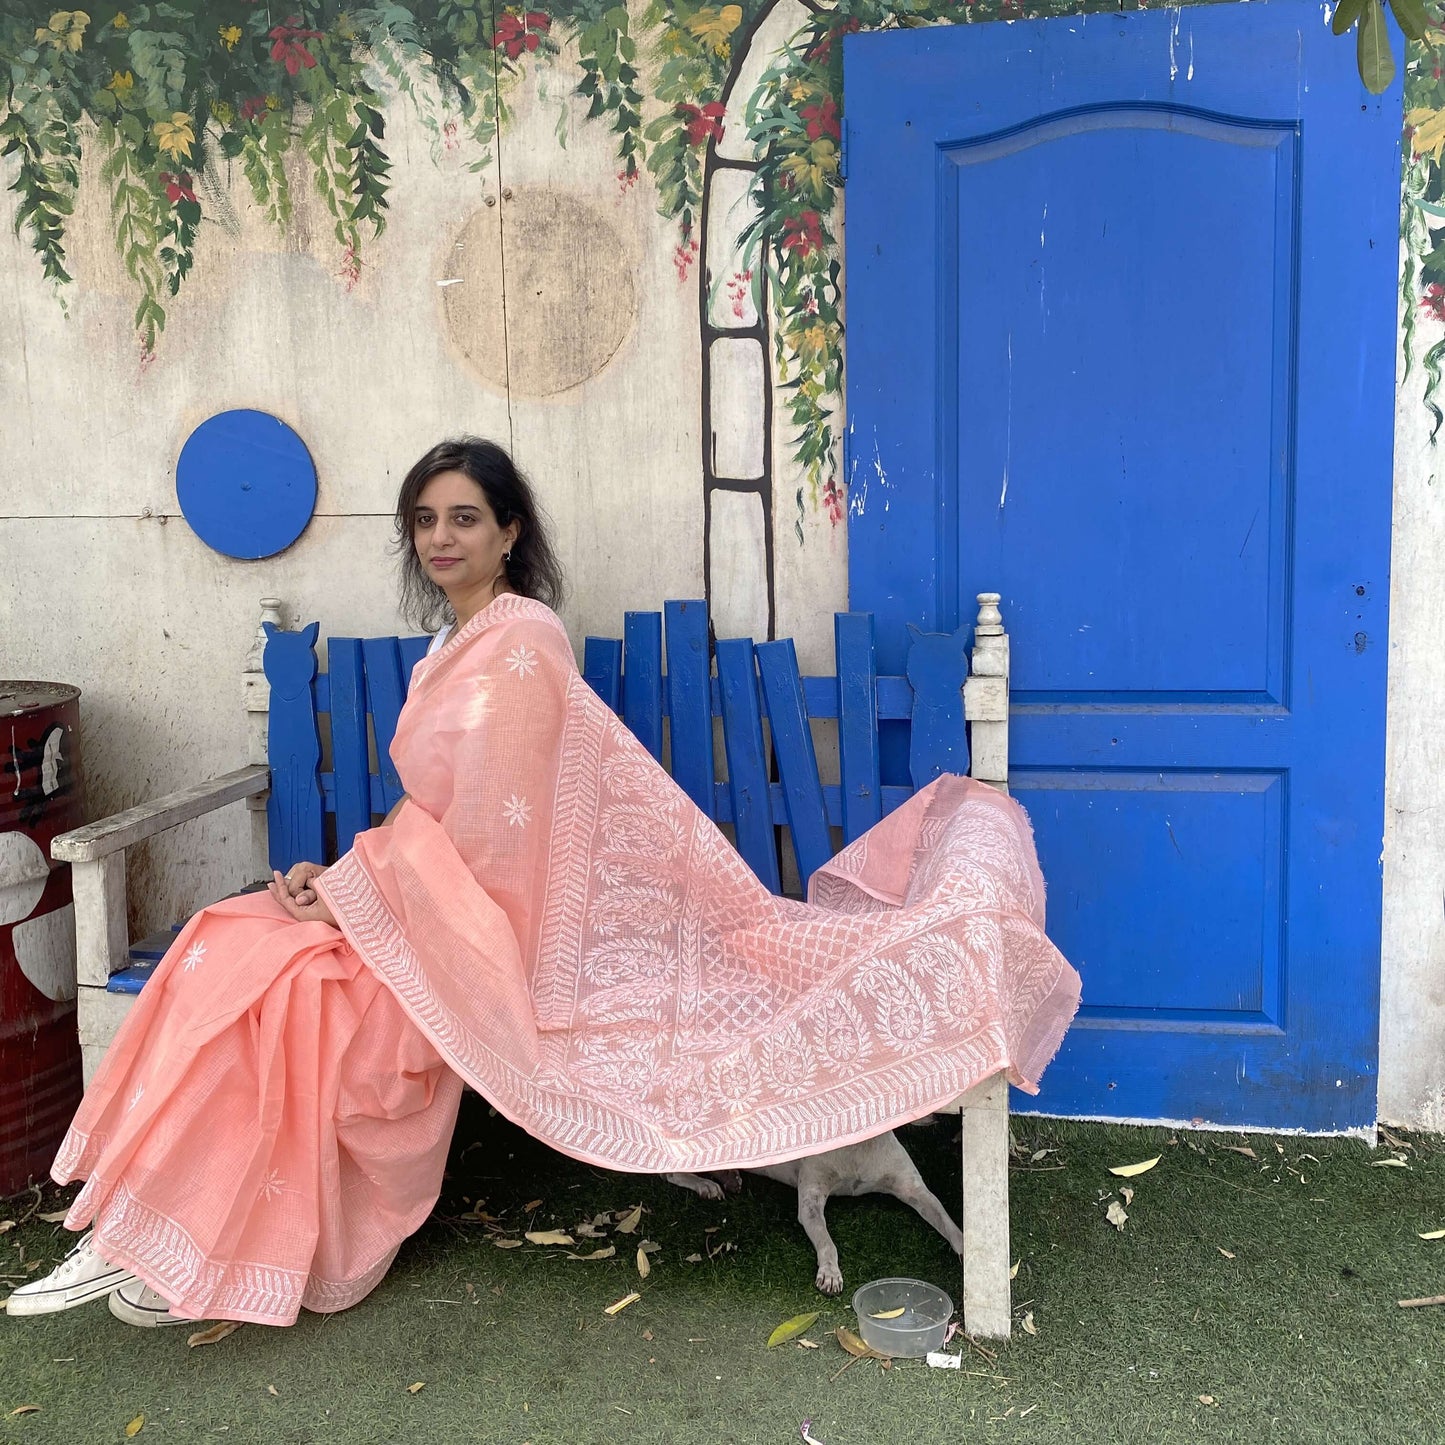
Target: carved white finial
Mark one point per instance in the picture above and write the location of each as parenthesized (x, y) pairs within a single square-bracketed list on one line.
[(990, 619), (271, 611)]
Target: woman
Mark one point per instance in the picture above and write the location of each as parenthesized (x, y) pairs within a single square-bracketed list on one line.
[(547, 917)]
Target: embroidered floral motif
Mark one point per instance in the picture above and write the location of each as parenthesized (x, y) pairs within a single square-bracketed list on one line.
[(522, 660), (135, 1098), (195, 954), (273, 1185), (518, 811)]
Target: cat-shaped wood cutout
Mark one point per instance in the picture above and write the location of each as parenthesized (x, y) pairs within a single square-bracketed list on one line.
[(293, 747)]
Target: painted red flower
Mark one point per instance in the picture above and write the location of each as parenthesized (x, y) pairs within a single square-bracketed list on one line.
[(1432, 301), (178, 188), (250, 109), (289, 47), (822, 120), (833, 501), (704, 122), (516, 33), (824, 48), (803, 234)]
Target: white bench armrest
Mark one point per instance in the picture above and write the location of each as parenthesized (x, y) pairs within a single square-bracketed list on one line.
[(116, 833)]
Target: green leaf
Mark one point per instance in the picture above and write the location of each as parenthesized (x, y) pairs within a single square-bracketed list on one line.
[(791, 1329), (1376, 60), (1346, 13), (1410, 17)]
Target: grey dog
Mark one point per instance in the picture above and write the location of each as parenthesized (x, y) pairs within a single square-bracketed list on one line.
[(874, 1166)]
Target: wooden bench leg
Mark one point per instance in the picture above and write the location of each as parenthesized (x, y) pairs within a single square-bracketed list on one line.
[(983, 1113)]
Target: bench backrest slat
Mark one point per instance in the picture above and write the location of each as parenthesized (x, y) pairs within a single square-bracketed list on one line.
[(752, 809), (350, 769), (862, 799), (642, 679), (602, 669), (385, 692), (689, 702), (797, 761)]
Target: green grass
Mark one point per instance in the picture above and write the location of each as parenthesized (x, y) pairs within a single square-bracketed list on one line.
[(1298, 1337)]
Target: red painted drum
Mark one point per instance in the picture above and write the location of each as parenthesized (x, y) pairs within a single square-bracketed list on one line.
[(40, 1081)]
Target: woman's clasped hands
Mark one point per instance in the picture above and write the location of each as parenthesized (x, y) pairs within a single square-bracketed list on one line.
[(293, 891)]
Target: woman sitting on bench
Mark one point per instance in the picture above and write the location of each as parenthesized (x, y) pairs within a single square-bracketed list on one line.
[(546, 917)]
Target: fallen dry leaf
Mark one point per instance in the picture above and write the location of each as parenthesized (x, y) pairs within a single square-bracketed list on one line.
[(1014, 1272), (1128, 1171), (1434, 1234), (135, 1427), (605, 1253), (25, 1409), (588, 1231), (806, 1344), (1115, 1214), (855, 1346), (644, 1268), (1208, 1400), (1029, 1327), (415, 1388), (549, 1236), (1388, 1164), (531, 1204), (792, 1328), (1240, 1149), (617, 1306), (55, 1217), (1127, 1195), (212, 1335), (630, 1221), (1224, 1251), (692, 1259), (886, 1314), (647, 1334), (272, 1390), (6, 1225), (508, 1243), (650, 1246)]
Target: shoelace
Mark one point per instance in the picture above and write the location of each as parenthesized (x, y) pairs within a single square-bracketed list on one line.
[(73, 1262)]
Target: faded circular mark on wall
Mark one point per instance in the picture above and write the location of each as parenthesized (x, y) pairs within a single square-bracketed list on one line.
[(571, 288), (24, 872), (45, 951)]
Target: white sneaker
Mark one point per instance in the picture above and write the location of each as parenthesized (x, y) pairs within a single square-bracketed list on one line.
[(80, 1277), (137, 1303)]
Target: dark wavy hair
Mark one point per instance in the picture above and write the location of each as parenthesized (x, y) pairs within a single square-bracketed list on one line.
[(532, 569)]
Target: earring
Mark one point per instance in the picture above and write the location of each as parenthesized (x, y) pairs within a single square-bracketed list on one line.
[(507, 555)]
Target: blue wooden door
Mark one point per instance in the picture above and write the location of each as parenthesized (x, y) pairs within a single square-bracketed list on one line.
[(1121, 327)]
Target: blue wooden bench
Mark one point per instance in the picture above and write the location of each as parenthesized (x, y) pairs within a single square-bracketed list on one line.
[(323, 742)]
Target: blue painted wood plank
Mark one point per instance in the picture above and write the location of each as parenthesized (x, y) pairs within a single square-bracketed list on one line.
[(892, 795), (602, 669), (351, 786), (937, 665), (293, 748), (642, 678), (384, 695), (688, 701), (857, 722), (751, 802), (413, 649), (797, 761), (895, 698)]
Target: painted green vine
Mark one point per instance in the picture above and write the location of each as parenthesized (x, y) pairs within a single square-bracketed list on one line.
[(178, 95)]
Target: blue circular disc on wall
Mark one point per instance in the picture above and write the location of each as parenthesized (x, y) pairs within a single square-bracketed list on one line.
[(246, 484)]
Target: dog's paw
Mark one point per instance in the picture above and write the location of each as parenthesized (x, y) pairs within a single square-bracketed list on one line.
[(829, 1279), (708, 1188), (731, 1180)]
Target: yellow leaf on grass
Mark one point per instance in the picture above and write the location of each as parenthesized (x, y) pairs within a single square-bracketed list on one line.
[(58, 1217), (617, 1306), (1224, 1251), (806, 1344), (25, 1409), (216, 1332), (1014, 1272), (1388, 1164), (1128, 1171), (6, 1225), (272, 1390), (1030, 1328), (644, 1267), (852, 1344), (630, 1221), (1434, 1234), (886, 1314), (135, 1427), (791, 1329), (508, 1243), (414, 1388), (550, 1236), (1240, 1149), (605, 1253)]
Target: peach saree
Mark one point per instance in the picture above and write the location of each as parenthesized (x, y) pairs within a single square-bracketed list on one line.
[(552, 921)]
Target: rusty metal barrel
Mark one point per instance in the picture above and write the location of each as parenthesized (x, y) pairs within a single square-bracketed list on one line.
[(40, 1077)]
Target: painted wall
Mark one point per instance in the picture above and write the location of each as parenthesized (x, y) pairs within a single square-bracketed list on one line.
[(634, 280)]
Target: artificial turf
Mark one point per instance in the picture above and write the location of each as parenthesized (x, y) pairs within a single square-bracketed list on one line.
[(1266, 1285)]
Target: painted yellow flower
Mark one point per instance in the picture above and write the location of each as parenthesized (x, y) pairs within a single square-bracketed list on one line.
[(1429, 128), (800, 92), (120, 22), (122, 82), (223, 112), (66, 30), (230, 36), (813, 342), (813, 169), (714, 27), (174, 136)]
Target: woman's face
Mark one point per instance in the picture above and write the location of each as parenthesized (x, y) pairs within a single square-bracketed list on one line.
[(456, 536)]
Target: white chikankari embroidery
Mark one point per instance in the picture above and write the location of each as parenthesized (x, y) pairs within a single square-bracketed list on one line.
[(273, 1185), (135, 1098), (522, 660), (518, 811), (195, 954)]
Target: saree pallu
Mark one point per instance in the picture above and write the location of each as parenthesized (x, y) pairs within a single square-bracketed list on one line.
[(550, 919)]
